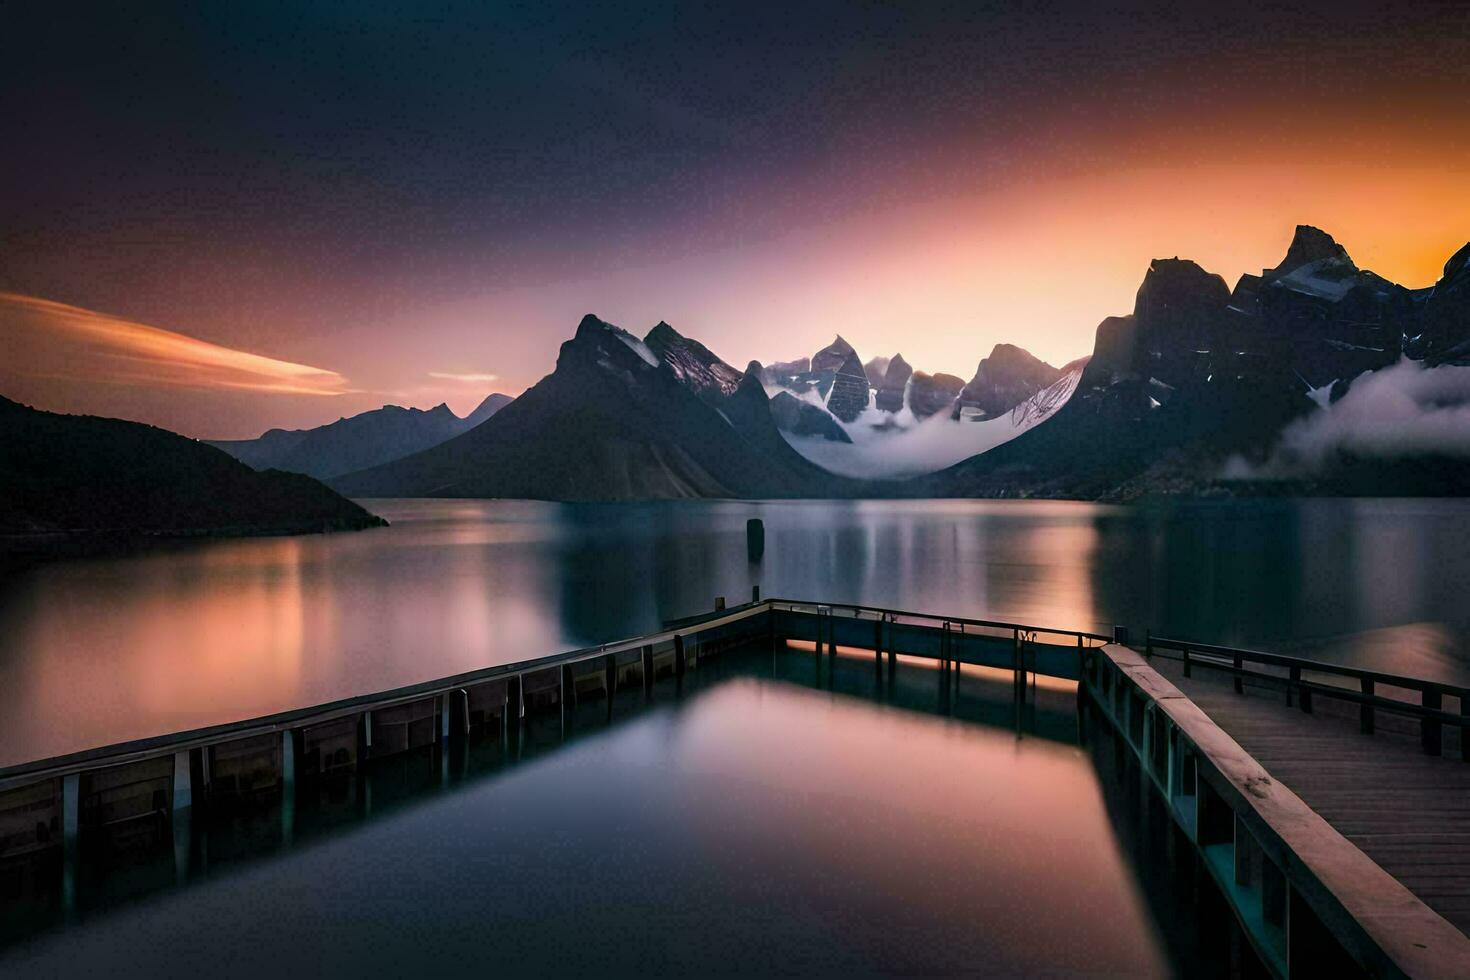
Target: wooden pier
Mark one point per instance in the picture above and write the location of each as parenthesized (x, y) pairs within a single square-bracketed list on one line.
[(1310, 897), (1328, 803)]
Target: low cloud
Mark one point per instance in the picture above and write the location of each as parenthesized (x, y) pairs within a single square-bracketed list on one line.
[(1402, 410), (53, 341)]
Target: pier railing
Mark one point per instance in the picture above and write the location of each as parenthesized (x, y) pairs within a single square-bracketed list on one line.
[(1289, 675), (858, 611)]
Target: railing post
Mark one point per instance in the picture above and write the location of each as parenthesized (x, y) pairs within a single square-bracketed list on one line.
[(892, 653), (1017, 681), (1365, 710), (1148, 642), (1186, 661), (1429, 728), (878, 649), (1239, 665), (1294, 679)]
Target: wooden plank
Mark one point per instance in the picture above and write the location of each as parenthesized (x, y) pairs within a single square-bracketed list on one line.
[(1402, 807)]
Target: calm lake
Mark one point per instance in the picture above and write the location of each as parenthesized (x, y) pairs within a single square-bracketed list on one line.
[(100, 651), (752, 818)]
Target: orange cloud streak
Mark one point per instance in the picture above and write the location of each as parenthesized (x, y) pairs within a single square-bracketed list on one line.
[(47, 339)]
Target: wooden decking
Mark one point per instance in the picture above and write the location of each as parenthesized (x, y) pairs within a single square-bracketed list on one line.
[(1408, 811)]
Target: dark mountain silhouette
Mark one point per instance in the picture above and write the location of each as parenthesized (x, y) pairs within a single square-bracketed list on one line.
[(80, 476), (692, 362), (612, 422), (805, 419), (834, 356), (358, 442), (891, 384), (1003, 380), (877, 370), (1445, 335), (930, 394), (1197, 374), (491, 404), (1318, 313), (849, 389)]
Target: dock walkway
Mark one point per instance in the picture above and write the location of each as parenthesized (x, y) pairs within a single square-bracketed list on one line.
[(1408, 811)]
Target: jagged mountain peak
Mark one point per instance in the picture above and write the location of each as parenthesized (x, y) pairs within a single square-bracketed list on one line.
[(1002, 381), (1456, 265), (609, 345), (1179, 285), (877, 370), (693, 364), (1309, 245), (834, 355)]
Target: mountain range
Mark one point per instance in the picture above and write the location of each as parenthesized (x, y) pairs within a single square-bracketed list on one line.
[(358, 442), (618, 419), (1201, 379), (1315, 376), (1198, 379)]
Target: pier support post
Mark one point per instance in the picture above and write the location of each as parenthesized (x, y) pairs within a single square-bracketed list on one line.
[(1464, 728), (1430, 728), (181, 814), (878, 651), (71, 812), (610, 681), (288, 787), (1365, 710), (183, 791), (678, 655), (564, 680), (1246, 853)]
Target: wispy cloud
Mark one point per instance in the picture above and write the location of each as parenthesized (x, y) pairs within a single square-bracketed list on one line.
[(465, 378), (53, 340), (1404, 409)]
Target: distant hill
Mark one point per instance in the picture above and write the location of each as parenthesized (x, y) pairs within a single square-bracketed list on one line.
[(616, 420), (356, 443), (82, 476)]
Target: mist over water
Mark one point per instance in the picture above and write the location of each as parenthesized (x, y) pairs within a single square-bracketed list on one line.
[(99, 651)]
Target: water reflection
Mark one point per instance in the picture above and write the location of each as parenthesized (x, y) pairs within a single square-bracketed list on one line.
[(104, 650), (740, 818)]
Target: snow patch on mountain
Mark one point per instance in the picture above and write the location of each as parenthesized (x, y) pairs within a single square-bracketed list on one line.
[(637, 346)]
